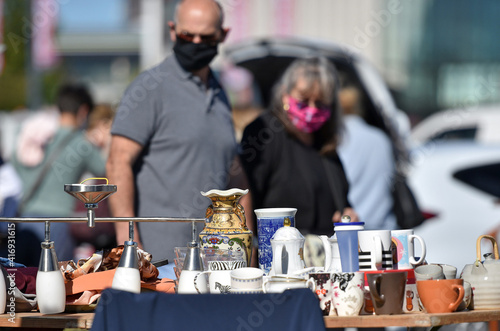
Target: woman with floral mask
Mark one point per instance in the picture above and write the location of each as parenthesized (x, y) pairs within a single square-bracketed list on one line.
[(289, 153)]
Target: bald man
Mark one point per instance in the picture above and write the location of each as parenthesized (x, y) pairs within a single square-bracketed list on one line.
[(173, 134)]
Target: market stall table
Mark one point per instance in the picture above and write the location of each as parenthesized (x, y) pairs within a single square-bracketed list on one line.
[(84, 320)]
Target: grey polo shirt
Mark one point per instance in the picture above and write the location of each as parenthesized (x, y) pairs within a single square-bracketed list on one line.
[(187, 132)]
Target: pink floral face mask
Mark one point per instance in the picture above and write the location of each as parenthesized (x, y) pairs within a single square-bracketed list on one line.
[(306, 118)]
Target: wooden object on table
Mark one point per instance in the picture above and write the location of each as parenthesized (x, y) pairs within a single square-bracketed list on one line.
[(56, 321), (412, 319), (84, 320)]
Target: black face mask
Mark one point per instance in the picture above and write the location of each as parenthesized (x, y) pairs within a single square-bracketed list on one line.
[(193, 56)]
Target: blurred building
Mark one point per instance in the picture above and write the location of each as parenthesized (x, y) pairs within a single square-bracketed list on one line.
[(433, 54)]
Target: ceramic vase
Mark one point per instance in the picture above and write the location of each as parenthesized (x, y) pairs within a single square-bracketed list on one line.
[(225, 226)]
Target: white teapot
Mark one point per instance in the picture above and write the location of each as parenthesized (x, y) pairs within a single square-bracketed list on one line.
[(288, 250), (332, 254), (484, 278)]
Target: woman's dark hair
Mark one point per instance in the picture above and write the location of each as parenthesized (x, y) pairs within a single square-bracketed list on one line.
[(313, 70)]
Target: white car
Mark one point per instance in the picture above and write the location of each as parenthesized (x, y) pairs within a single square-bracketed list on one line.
[(474, 123), (458, 182)]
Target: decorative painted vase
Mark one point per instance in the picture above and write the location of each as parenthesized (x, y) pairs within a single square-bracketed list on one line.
[(225, 222)]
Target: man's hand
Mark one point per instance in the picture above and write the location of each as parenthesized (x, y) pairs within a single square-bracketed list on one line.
[(337, 217)]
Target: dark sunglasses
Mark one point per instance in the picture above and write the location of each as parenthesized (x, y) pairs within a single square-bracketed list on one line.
[(210, 39)]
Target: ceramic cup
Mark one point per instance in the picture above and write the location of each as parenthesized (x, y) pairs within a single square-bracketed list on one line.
[(441, 295), (247, 278), (375, 250), (347, 292), (280, 283), (410, 303), (226, 265), (467, 297), (403, 241), (323, 284), (269, 220), (219, 281), (428, 272), (245, 291), (449, 271), (186, 282), (304, 273), (387, 291), (348, 246), (222, 259)]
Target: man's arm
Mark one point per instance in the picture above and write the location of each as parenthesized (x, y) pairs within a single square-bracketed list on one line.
[(123, 153)]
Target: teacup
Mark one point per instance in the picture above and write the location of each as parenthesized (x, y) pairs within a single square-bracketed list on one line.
[(219, 281), (245, 291), (280, 283), (411, 301), (186, 282), (304, 273), (441, 295), (467, 297), (222, 259), (403, 241), (387, 291), (449, 271), (375, 250), (226, 265), (247, 278), (428, 272), (323, 284), (348, 293)]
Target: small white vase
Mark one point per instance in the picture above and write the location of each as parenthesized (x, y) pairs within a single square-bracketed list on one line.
[(50, 292), (127, 279)]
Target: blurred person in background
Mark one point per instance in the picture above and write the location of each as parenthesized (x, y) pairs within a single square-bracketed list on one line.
[(10, 189), (87, 239), (99, 128), (289, 153), (44, 166), (245, 102), (176, 140), (367, 155), (10, 195)]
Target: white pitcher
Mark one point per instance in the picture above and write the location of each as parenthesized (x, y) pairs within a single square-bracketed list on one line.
[(288, 250), (332, 254)]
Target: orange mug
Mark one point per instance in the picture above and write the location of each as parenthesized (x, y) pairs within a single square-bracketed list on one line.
[(441, 295)]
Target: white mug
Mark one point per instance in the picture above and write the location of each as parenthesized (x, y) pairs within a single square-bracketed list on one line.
[(186, 283), (449, 271), (226, 265), (247, 278), (375, 250), (403, 241), (428, 272), (219, 281)]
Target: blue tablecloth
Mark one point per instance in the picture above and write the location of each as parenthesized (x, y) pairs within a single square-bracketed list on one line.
[(296, 309)]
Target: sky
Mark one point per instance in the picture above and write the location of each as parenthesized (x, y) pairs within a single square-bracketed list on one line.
[(89, 15)]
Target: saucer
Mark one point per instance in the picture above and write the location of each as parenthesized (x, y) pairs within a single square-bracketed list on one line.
[(245, 290)]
